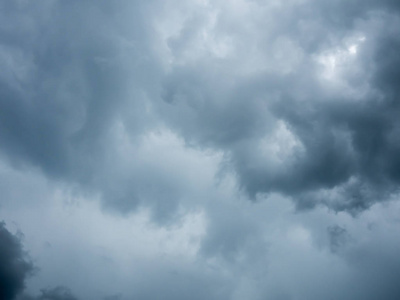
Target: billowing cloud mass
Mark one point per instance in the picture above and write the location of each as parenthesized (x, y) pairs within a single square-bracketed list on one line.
[(236, 149)]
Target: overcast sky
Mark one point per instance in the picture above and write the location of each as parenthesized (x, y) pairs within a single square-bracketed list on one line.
[(199, 149)]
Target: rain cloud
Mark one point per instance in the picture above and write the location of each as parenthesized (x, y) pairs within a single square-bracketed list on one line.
[(241, 149)]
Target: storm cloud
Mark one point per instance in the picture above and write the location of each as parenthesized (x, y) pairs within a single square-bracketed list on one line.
[(239, 149), (15, 268)]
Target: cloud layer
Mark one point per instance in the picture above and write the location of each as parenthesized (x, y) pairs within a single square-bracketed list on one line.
[(251, 148)]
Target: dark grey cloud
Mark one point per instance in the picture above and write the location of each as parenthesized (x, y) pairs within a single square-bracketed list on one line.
[(15, 267)]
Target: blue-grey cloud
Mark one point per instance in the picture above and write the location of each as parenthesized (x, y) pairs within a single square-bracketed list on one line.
[(227, 108), (79, 70)]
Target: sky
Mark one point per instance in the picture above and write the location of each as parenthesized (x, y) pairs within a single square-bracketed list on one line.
[(199, 149)]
